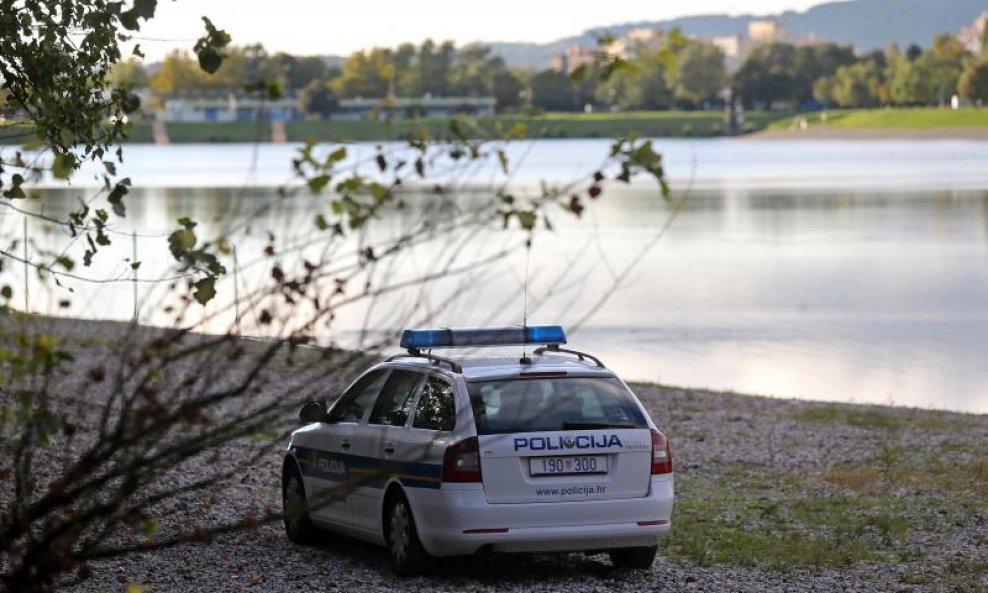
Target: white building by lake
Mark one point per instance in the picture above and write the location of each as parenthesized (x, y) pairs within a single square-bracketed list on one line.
[(233, 108)]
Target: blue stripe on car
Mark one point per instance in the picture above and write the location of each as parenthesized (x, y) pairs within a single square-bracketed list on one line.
[(369, 472)]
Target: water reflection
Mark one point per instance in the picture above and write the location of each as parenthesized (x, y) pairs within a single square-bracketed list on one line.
[(851, 294)]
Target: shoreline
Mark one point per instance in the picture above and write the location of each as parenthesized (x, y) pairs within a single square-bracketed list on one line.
[(822, 133)]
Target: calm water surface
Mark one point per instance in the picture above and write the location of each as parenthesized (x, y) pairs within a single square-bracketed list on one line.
[(846, 271)]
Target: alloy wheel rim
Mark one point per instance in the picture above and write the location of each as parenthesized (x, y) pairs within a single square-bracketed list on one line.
[(294, 499), (400, 529)]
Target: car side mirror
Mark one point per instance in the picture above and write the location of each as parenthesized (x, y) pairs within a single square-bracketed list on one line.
[(312, 412)]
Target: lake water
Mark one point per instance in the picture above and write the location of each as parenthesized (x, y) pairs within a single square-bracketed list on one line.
[(844, 271)]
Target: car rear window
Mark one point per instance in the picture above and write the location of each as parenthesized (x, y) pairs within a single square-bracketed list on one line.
[(547, 404)]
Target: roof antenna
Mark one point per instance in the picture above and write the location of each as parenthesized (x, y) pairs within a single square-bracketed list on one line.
[(524, 324)]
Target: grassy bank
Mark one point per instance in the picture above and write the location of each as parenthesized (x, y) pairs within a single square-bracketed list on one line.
[(919, 118), (552, 125)]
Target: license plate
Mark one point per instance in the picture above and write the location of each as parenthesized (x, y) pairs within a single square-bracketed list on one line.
[(561, 466)]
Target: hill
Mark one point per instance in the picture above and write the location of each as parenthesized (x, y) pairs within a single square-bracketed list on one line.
[(865, 24)]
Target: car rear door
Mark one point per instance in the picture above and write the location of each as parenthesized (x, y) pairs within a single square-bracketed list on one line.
[(561, 439), (375, 445)]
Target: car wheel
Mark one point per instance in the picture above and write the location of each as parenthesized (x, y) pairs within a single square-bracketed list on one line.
[(637, 558), (295, 507), (408, 557)]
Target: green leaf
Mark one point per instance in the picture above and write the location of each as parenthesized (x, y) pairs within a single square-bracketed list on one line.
[(502, 158), (380, 192), (336, 156), (116, 198), (130, 102), (180, 242), (318, 183), (66, 262), (321, 223), (15, 191), (210, 59), (7, 292), (63, 165), (209, 47), (205, 290), (110, 167), (526, 219)]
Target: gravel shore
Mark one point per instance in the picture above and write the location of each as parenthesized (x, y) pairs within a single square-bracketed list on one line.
[(758, 484)]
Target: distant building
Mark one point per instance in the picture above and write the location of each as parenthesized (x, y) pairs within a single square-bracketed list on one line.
[(200, 109), (400, 107), (577, 56), (972, 35), (634, 40), (734, 48), (761, 31), (625, 47)]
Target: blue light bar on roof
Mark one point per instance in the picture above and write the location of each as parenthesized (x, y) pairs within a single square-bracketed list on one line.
[(483, 336)]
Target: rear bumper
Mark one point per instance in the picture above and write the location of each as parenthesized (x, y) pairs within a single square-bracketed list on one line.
[(445, 519)]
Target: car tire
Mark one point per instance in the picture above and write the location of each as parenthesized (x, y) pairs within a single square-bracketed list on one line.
[(408, 557), (298, 527), (635, 558)]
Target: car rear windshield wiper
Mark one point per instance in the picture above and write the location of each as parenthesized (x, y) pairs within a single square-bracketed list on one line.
[(596, 425)]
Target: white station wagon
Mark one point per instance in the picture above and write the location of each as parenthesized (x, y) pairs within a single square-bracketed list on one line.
[(433, 456)]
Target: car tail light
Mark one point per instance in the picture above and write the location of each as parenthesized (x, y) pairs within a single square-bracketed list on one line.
[(661, 454), (461, 462)]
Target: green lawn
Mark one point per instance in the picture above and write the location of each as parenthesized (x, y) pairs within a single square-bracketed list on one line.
[(551, 125), (901, 118)]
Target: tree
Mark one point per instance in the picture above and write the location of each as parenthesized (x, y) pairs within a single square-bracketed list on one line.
[(434, 67), (506, 89), (129, 74), (974, 83), (241, 66), (701, 73), (366, 74), (810, 63), (856, 85), (296, 72), (473, 71), (766, 76), (552, 91), (943, 64), (909, 85), (641, 85), (177, 72), (913, 52), (823, 90), (318, 98)]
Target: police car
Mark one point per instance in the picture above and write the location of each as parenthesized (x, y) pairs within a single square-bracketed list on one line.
[(433, 456)]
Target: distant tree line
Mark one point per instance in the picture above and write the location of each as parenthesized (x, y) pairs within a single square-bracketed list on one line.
[(675, 73), (407, 71), (833, 76)]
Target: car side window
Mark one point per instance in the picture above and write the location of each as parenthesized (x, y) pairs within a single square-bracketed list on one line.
[(358, 398), (395, 402), (437, 407)]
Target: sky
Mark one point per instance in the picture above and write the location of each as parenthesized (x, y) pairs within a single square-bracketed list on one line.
[(306, 27)]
